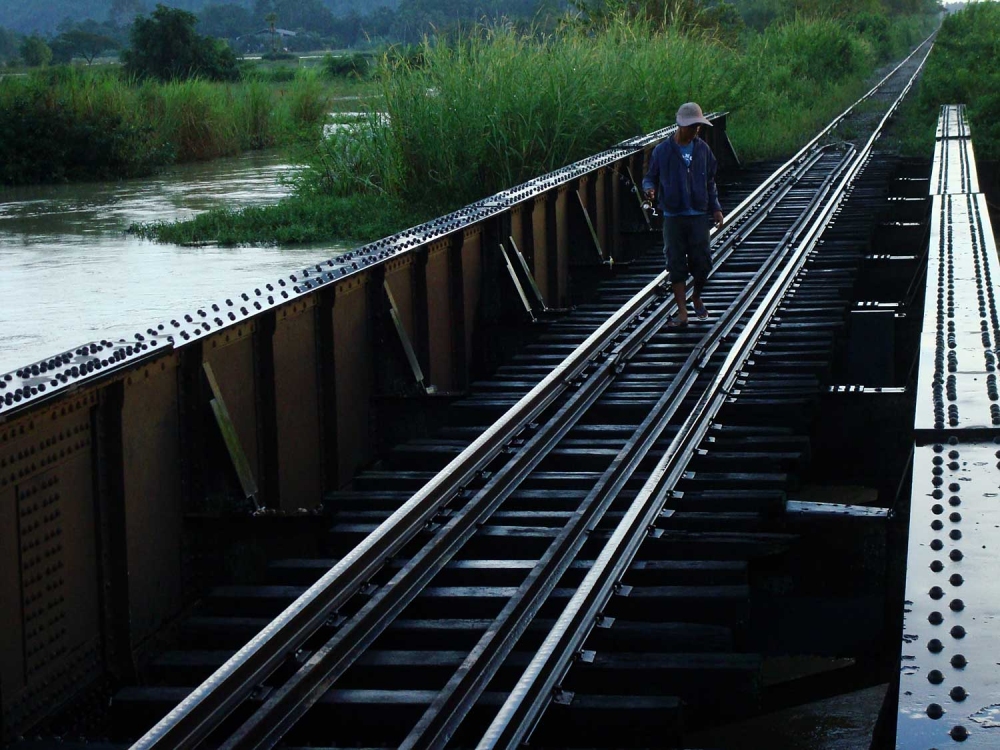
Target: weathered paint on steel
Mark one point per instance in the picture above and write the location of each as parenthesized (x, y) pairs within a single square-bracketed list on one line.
[(439, 317), (600, 206), (232, 358), (563, 240), (11, 614), (46, 460), (472, 271), (352, 339), (540, 247), (399, 277), (297, 406), (617, 196), (520, 223), (154, 507)]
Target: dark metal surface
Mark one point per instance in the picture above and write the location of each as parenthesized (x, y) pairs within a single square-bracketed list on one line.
[(957, 386), (949, 679), (540, 681), (949, 691), (198, 713)]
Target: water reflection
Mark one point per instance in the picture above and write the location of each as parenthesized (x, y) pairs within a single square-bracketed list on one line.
[(69, 273)]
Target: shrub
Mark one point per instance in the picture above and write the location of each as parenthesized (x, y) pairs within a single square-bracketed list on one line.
[(821, 50), (354, 65), (166, 46), (35, 52), (956, 73), (74, 127), (304, 105)]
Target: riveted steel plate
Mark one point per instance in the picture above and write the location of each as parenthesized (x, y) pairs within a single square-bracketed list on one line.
[(957, 386), (953, 122), (949, 693), (954, 167)]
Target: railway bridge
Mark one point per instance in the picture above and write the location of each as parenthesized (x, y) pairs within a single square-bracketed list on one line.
[(461, 487)]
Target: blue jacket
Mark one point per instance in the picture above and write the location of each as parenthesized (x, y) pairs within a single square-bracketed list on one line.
[(673, 179)]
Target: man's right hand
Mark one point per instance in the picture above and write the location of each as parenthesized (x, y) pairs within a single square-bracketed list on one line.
[(651, 194)]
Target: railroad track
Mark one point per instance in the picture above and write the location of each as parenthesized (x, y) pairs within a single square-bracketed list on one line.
[(579, 538)]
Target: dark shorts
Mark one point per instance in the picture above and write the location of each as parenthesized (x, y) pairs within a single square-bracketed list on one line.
[(685, 245)]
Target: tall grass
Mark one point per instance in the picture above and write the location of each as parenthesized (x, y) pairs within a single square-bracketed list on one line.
[(71, 124), (496, 109), (466, 118)]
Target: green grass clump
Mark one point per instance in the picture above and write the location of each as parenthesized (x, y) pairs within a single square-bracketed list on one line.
[(67, 125), (73, 124), (298, 219)]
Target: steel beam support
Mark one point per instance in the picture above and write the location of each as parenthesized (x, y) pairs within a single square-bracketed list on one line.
[(326, 378), (112, 532), (542, 240), (459, 323), (297, 406)]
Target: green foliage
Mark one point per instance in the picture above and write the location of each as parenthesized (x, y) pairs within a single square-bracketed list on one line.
[(303, 106), (462, 118), (82, 43), (68, 126), (35, 52), (815, 51), (959, 72), (252, 71), (759, 14), (225, 21), (165, 45), (489, 112), (9, 45), (67, 123), (301, 218), (353, 65)]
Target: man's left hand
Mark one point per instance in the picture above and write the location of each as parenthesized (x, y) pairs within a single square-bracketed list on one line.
[(718, 219)]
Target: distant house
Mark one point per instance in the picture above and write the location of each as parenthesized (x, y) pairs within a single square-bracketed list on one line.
[(277, 32), (262, 40)]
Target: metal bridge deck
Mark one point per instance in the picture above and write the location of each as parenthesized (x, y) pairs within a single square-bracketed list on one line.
[(950, 677), (608, 541)]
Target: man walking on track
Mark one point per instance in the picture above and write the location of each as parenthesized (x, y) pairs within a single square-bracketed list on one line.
[(682, 175)]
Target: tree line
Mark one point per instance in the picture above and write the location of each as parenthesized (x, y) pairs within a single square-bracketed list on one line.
[(266, 25), (290, 26)]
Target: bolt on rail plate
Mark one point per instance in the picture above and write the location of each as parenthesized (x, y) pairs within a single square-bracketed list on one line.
[(949, 692), (954, 167), (953, 122), (957, 386)]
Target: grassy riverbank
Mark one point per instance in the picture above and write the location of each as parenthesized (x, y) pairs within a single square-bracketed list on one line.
[(496, 109), (72, 123)]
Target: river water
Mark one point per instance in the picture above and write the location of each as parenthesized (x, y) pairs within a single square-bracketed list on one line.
[(69, 274)]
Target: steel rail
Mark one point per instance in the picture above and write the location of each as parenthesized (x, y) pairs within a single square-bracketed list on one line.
[(204, 709), (438, 723), (199, 713), (289, 702), (533, 691)]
